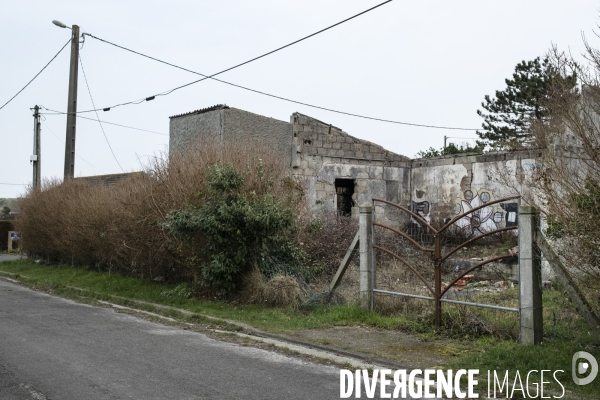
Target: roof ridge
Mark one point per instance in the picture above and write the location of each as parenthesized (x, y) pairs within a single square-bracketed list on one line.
[(203, 110)]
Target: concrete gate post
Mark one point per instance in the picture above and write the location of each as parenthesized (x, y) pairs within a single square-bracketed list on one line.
[(530, 279), (365, 230)]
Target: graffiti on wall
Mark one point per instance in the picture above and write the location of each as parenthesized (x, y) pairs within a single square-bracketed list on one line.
[(486, 219), (422, 209)]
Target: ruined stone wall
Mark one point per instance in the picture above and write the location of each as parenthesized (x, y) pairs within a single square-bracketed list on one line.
[(445, 187), (322, 153), (319, 153)]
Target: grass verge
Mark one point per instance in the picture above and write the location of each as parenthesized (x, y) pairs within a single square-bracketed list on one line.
[(62, 279)]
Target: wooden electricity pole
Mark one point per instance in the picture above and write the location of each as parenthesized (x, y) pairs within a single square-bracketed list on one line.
[(72, 107), (36, 159)]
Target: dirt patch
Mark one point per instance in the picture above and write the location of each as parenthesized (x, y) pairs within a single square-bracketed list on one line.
[(393, 345)]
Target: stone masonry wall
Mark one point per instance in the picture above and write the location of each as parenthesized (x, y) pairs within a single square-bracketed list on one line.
[(322, 153), (268, 132), (184, 129), (319, 153), (225, 123)]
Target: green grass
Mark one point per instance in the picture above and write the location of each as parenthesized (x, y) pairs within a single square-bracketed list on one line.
[(60, 278), (565, 333), (552, 355)]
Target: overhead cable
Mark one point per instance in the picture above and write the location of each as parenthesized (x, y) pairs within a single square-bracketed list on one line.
[(76, 154), (36, 75), (138, 101), (98, 118), (55, 112), (280, 97), (205, 77)]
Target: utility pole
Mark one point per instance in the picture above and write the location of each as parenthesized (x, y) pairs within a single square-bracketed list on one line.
[(72, 106), (445, 137), (36, 158)]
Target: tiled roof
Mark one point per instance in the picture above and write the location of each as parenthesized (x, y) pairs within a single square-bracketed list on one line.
[(203, 110)]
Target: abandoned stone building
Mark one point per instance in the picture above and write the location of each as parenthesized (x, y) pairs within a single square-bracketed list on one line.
[(340, 171)]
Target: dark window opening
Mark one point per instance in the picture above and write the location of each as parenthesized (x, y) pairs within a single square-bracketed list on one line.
[(307, 142), (344, 189)]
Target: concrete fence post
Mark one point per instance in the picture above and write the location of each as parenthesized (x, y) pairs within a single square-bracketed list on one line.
[(365, 230), (530, 278)]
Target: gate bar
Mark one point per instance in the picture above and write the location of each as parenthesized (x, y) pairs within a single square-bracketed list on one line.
[(468, 303), (416, 296)]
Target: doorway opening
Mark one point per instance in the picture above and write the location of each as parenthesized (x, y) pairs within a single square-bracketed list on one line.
[(344, 189)]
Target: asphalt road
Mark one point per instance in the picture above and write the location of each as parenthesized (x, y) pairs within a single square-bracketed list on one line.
[(52, 348)]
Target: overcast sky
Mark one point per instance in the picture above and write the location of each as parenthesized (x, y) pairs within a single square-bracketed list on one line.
[(419, 62)]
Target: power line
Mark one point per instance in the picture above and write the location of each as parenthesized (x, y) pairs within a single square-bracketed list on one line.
[(281, 97), (98, 118), (36, 75), (205, 77), (225, 70), (14, 184), (54, 112)]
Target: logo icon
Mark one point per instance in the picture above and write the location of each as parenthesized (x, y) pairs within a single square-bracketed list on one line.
[(580, 367)]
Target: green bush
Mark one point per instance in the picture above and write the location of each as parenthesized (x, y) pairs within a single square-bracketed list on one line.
[(240, 228)]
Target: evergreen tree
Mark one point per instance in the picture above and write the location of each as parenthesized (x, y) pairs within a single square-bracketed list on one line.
[(506, 123), (451, 149)]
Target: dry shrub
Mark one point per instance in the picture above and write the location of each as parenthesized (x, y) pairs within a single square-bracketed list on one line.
[(564, 180), (117, 228), (281, 290), (325, 238)]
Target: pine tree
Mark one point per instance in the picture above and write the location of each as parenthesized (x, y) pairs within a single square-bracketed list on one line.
[(509, 115)]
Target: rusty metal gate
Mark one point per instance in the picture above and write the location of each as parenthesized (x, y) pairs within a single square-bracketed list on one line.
[(438, 258)]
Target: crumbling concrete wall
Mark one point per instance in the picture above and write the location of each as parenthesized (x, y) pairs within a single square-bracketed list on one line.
[(446, 187), (322, 153), (319, 153)]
